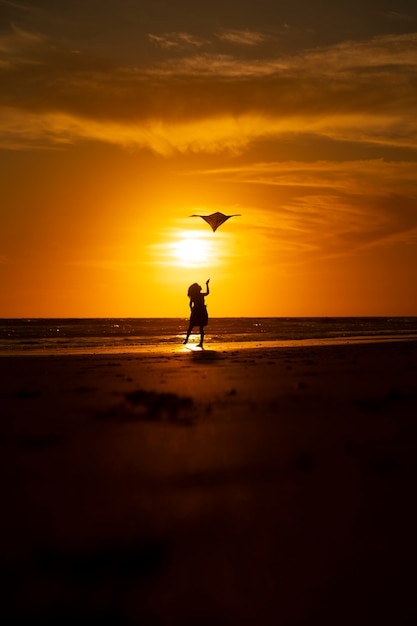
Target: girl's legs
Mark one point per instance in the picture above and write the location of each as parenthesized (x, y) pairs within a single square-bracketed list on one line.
[(190, 328), (201, 336)]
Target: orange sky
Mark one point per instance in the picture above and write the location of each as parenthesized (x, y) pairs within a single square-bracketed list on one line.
[(119, 120)]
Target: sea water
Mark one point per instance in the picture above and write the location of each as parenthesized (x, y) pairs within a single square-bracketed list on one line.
[(95, 335)]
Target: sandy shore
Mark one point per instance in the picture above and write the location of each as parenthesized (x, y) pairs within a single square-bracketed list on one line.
[(270, 485)]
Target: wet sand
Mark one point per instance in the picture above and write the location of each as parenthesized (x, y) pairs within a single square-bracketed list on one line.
[(266, 485)]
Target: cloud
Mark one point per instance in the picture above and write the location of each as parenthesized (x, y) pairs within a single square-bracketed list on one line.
[(326, 209), (20, 6), (346, 176), (207, 101), (384, 52), (176, 40), (397, 16), (243, 37), (19, 44)]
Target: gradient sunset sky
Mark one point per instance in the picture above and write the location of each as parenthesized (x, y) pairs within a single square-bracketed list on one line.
[(121, 118)]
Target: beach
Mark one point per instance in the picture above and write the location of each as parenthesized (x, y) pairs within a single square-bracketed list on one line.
[(240, 484)]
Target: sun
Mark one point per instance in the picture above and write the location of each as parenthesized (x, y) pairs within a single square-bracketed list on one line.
[(192, 250)]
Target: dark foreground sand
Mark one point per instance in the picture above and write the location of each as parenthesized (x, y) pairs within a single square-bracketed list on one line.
[(231, 486)]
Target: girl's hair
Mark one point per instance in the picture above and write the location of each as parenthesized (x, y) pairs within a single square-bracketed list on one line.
[(193, 290)]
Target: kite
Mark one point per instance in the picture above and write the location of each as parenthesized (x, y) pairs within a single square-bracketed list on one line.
[(216, 219)]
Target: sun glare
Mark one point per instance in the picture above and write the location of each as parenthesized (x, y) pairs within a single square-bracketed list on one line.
[(192, 250)]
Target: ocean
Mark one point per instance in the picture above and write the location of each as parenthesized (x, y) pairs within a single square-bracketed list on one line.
[(52, 336)]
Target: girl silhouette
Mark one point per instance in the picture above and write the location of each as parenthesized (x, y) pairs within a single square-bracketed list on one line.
[(199, 316)]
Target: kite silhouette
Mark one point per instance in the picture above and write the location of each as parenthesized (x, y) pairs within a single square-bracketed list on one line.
[(216, 219)]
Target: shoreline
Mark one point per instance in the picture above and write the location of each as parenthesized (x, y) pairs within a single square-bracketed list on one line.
[(172, 347)]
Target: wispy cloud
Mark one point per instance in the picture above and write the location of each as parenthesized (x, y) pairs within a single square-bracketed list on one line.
[(243, 37), (398, 16), (19, 44), (325, 209), (346, 176), (385, 52), (176, 40), (20, 6)]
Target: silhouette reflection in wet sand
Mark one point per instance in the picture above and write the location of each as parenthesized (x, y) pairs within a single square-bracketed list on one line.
[(199, 316)]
